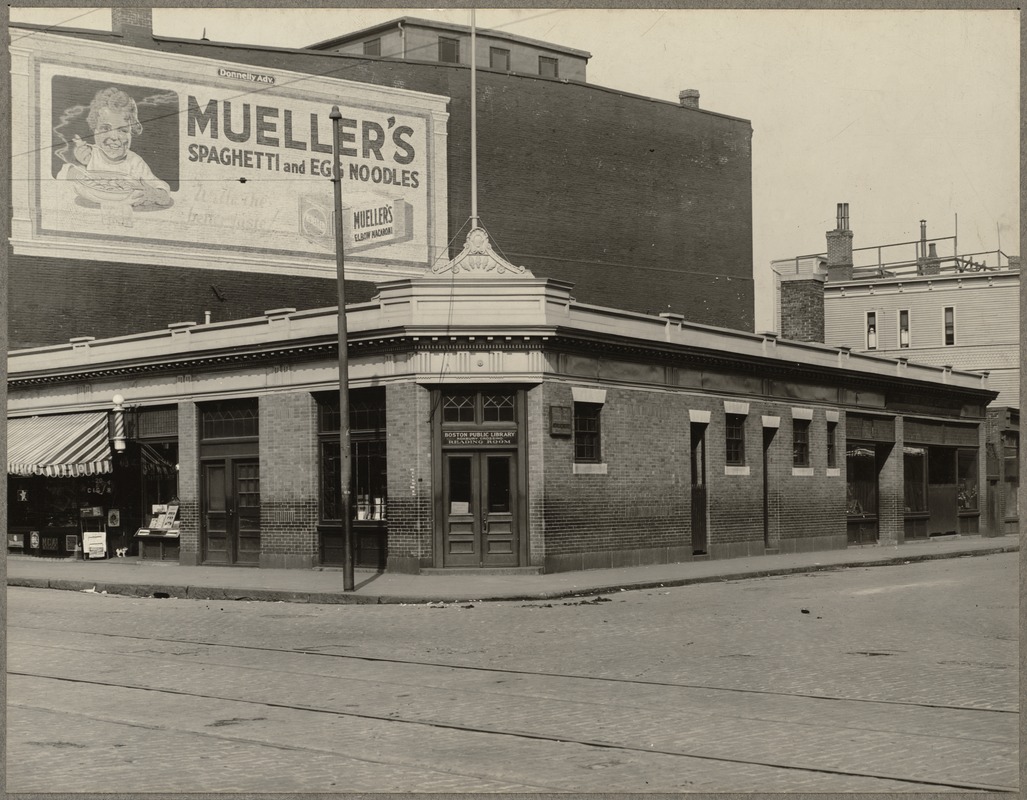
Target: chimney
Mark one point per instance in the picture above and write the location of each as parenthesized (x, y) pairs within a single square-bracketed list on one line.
[(932, 264), (1014, 262), (927, 261), (839, 248), (802, 307), (689, 98), (134, 24)]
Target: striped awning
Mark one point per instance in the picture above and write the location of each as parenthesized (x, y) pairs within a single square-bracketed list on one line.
[(59, 446)]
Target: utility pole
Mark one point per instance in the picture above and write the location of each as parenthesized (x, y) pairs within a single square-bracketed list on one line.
[(345, 461)]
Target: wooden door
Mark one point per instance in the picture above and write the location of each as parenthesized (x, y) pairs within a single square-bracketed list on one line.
[(481, 525), (231, 511), (215, 517)]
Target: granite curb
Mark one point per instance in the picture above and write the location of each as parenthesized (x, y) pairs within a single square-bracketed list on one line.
[(184, 591)]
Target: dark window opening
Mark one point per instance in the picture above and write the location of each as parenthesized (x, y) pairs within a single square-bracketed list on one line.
[(734, 439), (230, 419), (498, 407), (914, 470), (950, 326), (861, 481), (373, 47), (499, 485), (800, 442), (587, 432), (449, 50), (458, 407), (966, 480), (871, 330), (548, 67), (368, 463), (832, 445), (499, 59), (903, 328)]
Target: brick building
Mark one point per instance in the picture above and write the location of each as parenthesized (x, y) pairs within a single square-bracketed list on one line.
[(922, 301), (496, 422), (416, 39), (578, 182)]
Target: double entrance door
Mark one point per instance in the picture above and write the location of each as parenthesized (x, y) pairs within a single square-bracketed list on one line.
[(480, 502), (230, 511)]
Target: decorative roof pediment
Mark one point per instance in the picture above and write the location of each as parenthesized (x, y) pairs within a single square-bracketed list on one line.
[(478, 260)]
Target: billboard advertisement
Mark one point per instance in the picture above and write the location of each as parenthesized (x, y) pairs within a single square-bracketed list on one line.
[(129, 155)]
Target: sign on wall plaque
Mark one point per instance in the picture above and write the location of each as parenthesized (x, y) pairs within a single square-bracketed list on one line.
[(560, 421), (479, 438)]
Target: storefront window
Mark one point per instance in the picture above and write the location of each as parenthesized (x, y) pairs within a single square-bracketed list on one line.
[(967, 480), (861, 481), (369, 473), (1011, 470), (914, 467), (159, 467)]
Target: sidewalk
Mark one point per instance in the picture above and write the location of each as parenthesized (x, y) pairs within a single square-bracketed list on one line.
[(137, 578)]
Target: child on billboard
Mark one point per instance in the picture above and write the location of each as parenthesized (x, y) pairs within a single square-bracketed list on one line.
[(109, 170)]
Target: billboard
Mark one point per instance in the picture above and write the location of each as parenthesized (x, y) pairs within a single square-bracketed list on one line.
[(129, 155)]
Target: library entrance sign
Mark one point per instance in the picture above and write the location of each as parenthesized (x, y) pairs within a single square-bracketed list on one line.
[(479, 438)]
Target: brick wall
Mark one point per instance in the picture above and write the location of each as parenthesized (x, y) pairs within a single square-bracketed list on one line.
[(188, 483), (635, 512), (590, 187), (640, 510), (407, 408), (807, 511), (129, 298), (288, 480), (802, 308), (538, 438)]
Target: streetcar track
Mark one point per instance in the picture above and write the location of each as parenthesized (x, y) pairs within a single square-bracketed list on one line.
[(491, 731), (154, 654), (258, 742), (532, 673)]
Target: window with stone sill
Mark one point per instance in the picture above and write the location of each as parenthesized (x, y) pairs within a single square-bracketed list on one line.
[(734, 440), (587, 432), (800, 442)]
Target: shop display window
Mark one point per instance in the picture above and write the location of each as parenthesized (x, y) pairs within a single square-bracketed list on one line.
[(368, 463), (158, 462), (966, 475), (914, 466), (861, 481)]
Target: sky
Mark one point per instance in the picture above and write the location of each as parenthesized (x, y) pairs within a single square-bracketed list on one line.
[(903, 114)]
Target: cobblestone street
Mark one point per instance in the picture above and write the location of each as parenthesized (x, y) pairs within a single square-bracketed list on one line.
[(898, 678)]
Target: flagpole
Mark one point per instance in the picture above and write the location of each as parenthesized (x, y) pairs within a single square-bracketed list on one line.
[(474, 128)]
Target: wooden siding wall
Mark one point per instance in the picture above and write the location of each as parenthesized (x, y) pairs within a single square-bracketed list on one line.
[(986, 313)]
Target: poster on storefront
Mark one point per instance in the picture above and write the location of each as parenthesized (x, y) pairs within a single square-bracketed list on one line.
[(221, 165), (94, 543)]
